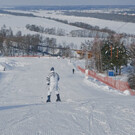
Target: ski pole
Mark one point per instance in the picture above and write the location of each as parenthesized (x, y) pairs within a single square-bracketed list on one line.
[(58, 88), (45, 88)]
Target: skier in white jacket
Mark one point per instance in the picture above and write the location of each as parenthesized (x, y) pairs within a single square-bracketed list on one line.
[(52, 82)]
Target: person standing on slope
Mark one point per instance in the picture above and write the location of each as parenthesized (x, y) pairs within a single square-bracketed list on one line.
[(73, 70), (52, 82)]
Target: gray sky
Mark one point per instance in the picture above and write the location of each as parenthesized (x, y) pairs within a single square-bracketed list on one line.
[(67, 2)]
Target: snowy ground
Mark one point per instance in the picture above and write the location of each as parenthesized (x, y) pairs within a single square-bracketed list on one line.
[(87, 108)]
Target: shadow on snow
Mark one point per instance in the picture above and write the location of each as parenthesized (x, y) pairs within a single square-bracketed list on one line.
[(16, 106)]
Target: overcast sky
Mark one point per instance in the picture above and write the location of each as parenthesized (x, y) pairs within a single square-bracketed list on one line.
[(67, 2)]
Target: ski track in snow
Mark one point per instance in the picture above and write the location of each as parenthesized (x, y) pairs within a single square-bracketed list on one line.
[(87, 107)]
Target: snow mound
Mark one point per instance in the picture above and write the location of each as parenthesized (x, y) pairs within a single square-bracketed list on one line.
[(2, 68), (9, 64), (126, 92)]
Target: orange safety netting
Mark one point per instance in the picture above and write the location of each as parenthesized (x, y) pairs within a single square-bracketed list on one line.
[(117, 84)]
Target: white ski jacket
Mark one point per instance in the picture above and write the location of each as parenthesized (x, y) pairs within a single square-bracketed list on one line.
[(52, 80)]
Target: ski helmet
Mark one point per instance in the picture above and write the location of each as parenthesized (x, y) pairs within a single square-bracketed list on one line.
[(52, 69)]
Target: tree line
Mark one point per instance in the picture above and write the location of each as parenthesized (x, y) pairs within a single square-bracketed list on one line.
[(18, 44), (73, 33), (84, 26), (52, 31)]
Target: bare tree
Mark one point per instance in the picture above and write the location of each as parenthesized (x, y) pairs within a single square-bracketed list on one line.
[(96, 52)]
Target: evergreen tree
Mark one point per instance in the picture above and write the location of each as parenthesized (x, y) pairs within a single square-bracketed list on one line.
[(106, 56), (114, 56)]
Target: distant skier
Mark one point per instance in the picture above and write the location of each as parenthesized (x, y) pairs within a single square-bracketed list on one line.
[(52, 82), (73, 70)]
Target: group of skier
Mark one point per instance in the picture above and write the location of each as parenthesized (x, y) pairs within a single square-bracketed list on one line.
[(52, 83)]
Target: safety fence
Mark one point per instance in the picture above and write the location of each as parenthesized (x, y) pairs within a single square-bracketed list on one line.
[(117, 84), (30, 56), (27, 56)]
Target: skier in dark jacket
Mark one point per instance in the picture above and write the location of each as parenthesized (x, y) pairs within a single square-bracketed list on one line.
[(73, 70), (52, 82)]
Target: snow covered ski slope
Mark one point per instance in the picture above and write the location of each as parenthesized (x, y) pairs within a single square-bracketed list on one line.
[(87, 107)]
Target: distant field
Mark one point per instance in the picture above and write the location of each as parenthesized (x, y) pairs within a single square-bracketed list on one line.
[(105, 16)]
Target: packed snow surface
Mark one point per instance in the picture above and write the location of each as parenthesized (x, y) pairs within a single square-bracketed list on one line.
[(87, 108)]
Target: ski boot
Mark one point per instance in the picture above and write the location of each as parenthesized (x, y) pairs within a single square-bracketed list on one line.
[(48, 100), (58, 98)]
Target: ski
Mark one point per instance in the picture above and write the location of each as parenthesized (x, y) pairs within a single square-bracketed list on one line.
[(44, 101)]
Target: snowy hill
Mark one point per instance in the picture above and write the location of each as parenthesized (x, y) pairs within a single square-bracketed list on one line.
[(117, 26), (87, 108), (18, 23)]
